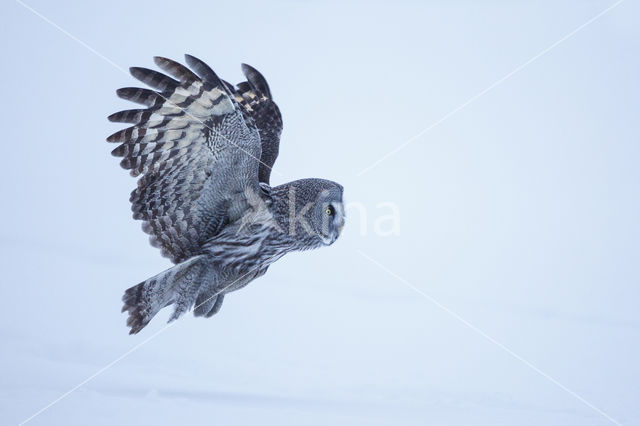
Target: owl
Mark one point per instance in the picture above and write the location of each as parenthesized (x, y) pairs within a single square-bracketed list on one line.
[(203, 150)]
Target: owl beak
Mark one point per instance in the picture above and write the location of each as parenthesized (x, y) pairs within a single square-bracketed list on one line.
[(337, 232), (333, 238)]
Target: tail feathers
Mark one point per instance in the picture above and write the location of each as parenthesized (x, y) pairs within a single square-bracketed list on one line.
[(177, 285), (132, 302)]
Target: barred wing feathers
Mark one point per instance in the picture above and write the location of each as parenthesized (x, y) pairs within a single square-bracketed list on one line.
[(255, 98), (194, 150)]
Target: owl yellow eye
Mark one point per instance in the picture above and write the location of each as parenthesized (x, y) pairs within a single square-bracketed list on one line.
[(329, 210)]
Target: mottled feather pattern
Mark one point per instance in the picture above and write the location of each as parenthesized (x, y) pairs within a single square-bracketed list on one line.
[(174, 144), (203, 151), (254, 96)]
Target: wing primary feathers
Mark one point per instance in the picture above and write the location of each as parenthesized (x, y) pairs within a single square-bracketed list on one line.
[(140, 96), (204, 71), (192, 119), (132, 116), (243, 87), (176, 69), (254, 96), (154, 79), (121, 135), (256, 80)]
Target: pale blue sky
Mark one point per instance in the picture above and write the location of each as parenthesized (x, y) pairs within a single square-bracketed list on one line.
[(519, 213)]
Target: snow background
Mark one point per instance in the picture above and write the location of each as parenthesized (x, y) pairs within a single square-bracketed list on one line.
[(519, 213)]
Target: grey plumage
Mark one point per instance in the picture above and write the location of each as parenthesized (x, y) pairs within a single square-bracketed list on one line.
[(204, 150)]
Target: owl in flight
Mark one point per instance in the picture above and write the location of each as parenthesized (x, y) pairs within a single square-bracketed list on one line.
[(204, 150)]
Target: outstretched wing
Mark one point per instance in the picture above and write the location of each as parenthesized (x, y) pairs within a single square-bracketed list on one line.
[(255, 98), (196, 150)]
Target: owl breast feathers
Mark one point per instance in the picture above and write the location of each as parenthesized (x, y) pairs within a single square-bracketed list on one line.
[(203, 150)]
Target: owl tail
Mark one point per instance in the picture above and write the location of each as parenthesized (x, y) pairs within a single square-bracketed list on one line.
[(177, 285)]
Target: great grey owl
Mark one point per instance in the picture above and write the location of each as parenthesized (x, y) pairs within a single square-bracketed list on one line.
[(204, 150)]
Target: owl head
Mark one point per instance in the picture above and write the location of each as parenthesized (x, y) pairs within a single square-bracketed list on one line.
[(314, 211)]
